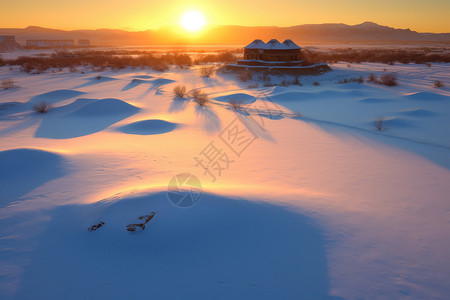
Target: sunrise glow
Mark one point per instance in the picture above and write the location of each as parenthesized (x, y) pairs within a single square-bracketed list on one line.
[(193, 21)]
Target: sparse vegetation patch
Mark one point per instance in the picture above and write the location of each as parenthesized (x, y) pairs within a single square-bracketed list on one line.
[(179, 91), (42, 107), (199, 97), (7, 84)]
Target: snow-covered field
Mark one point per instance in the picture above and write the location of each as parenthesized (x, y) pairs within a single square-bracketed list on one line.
[(301, 197)]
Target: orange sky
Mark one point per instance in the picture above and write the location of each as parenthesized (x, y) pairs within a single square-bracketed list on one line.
[(419, 15)]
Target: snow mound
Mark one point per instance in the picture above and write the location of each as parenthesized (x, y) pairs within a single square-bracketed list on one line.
[(418, 112), (7, 105), (102, 78), (238, 97), (219, 243), (143, 77), (148, 127), (374, 100), (277, 89), (154, 82), (96, 80), (109, 106), (161, 81), (295, 96), (84, 117), (427, 96), (23, 170), (55, 96), (140, 81), (396, 122)]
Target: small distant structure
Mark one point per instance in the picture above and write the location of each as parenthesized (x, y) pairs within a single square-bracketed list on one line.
[(49, 43), (277, 58), (8, 43), (84, 43)]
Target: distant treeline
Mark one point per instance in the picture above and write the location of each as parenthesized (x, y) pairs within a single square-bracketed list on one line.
[(388, 56), (120, 59), (100, 60)]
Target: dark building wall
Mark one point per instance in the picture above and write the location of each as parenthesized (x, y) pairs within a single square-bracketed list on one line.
[(272, 55)]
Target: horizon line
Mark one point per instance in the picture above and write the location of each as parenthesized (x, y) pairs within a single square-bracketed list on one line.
[(213, 26)]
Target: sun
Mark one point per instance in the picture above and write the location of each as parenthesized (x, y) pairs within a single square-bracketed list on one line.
[(193, 21)]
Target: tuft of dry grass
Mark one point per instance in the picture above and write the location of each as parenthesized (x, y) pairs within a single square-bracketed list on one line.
[(235, 105), (207, 71), (372, 78), (389, 79), (297, 81), (199, 97), (179, 91), (359, 79), (438, 84), (379, 124), (42, 107), (8, 84)]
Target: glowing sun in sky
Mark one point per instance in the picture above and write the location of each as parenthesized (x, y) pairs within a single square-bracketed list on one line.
[(193, 20)]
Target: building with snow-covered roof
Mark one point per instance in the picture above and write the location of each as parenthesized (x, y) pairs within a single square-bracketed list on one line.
[(276, 58), (273, 51)]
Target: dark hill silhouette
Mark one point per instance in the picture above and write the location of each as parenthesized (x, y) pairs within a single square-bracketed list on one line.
[(366, 32)]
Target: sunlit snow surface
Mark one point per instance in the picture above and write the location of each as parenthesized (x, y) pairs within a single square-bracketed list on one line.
[(319, 205)]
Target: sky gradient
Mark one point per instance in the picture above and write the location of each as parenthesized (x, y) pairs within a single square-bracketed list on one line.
[(418, 15)]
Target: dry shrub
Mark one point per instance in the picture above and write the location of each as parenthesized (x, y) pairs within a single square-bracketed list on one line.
[(199, 97), (379, 124), (372, 78), (42, 107), (438, 84), (389, 79), (387, 56), (8, 84), (179, 91), (207, 71), (220, 57), (183, 60), (160, 66), (236, 105), (244, 76), (316, 83), (359, 79)]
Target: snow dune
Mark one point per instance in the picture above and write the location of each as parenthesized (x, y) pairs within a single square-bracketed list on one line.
[(31, 167), (148, 127), (84, 117), (96, 80), (427, 96), (223, 248), (54, 97), (238, 97), (418, 112), (154, 83), (320, 205)]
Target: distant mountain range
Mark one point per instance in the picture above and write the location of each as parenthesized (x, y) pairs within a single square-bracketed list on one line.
[(366, 32)]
